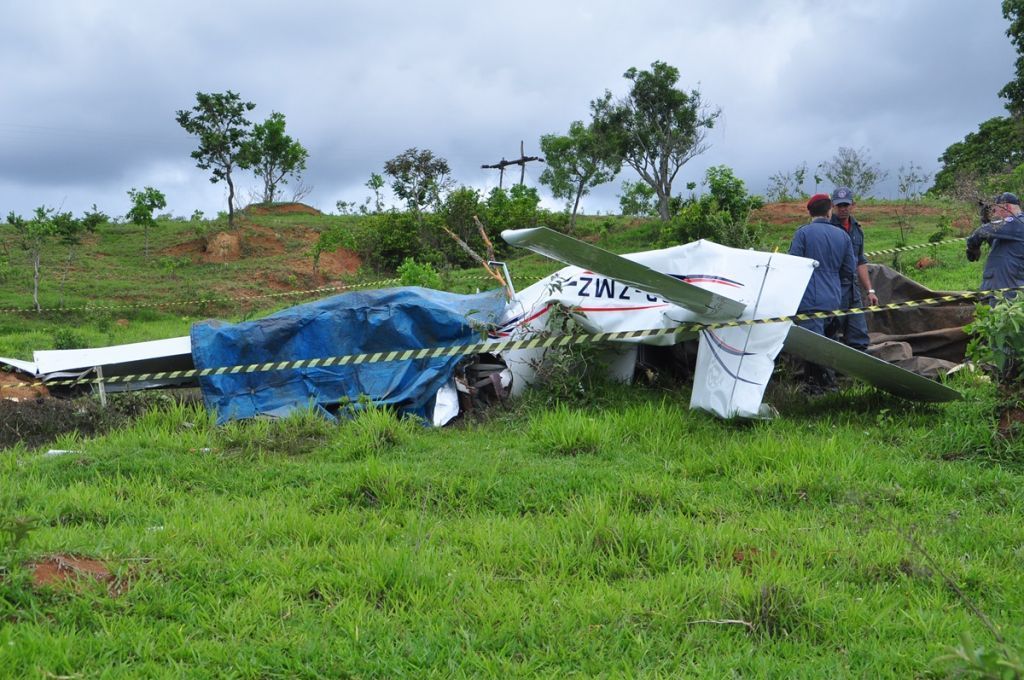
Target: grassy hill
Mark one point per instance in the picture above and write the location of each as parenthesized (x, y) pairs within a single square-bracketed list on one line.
[(611, 532)]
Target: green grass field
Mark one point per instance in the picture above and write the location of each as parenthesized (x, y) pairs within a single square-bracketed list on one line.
[(616, 534)]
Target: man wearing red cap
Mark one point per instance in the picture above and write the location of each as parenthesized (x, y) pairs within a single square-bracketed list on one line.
[(833, 250)]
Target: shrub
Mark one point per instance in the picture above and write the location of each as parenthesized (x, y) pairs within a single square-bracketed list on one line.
[(413, 273), (68, 338), (382, 241), (997, 340), (721, 215)]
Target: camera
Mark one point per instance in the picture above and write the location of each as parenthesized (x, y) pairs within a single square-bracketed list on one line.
[(984, 211)]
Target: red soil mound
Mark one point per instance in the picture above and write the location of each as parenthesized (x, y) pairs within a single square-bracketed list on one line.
[(281, 209), (795, 212)]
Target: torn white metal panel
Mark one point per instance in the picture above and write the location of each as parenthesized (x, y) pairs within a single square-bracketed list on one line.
[(51, 361), (172, 354), (734, 365), (23, 366)]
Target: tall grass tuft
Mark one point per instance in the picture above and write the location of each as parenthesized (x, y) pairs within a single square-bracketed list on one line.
[(567, 432), (376, 430)]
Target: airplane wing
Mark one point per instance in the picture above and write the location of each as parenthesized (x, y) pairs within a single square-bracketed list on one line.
[(852, 362), (571, 251)]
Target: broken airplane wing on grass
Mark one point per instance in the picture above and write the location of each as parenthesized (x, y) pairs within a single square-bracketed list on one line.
[(734, 364), (857, 364)]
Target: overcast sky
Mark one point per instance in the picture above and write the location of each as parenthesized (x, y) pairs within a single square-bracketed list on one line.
[(90, 87)]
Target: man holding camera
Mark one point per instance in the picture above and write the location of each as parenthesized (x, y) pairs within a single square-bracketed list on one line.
[(1004, 232)]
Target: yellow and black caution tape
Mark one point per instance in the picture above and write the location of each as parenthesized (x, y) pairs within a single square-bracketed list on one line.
[(498, 346), (916, 246)]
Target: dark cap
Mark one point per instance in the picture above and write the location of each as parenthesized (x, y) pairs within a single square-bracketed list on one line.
[(816, 198), (1007, 197), (842, 196)]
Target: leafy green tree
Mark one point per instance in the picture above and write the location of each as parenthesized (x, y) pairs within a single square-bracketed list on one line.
[(513, 208), (853, 168), (272, 155), (419, 178), (788, 185), (144, 203), (1013, 91), (656, 128), (458, 211), (34, 235), (997, 147), (576, 163), (982, 159), (730, 192), (219, 121), (376, 185), (637, 200)]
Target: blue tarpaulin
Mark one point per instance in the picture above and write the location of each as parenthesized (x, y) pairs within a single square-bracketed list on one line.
[(350, 323)]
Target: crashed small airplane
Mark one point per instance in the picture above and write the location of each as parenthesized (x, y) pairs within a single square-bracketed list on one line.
[(693, 285), (700, 282)]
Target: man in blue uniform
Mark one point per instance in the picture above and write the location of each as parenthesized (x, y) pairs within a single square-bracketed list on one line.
[(1004, 267), (853, 329), (832, 248)]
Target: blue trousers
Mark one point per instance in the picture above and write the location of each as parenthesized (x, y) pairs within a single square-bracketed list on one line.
[(851, 330), (816, 376)]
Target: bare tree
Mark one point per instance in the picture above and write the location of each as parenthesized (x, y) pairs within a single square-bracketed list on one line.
[(853, 168)]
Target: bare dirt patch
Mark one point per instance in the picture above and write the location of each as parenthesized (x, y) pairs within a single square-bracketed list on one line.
[(194, 248), (795, 212), (337, 263), (9, 392), (59, 571), (223, 247), (1011, 422), (262, 243)]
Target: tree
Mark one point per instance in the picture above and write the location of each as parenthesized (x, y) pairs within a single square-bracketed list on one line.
[(576, 163), (419, 178), (637, 200), (853, 168), (997, 147), (218, 120), (1013, 91), (787, 185), (376, 185), (656, 128), (143, 204), (34, 235), (272, 155)]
